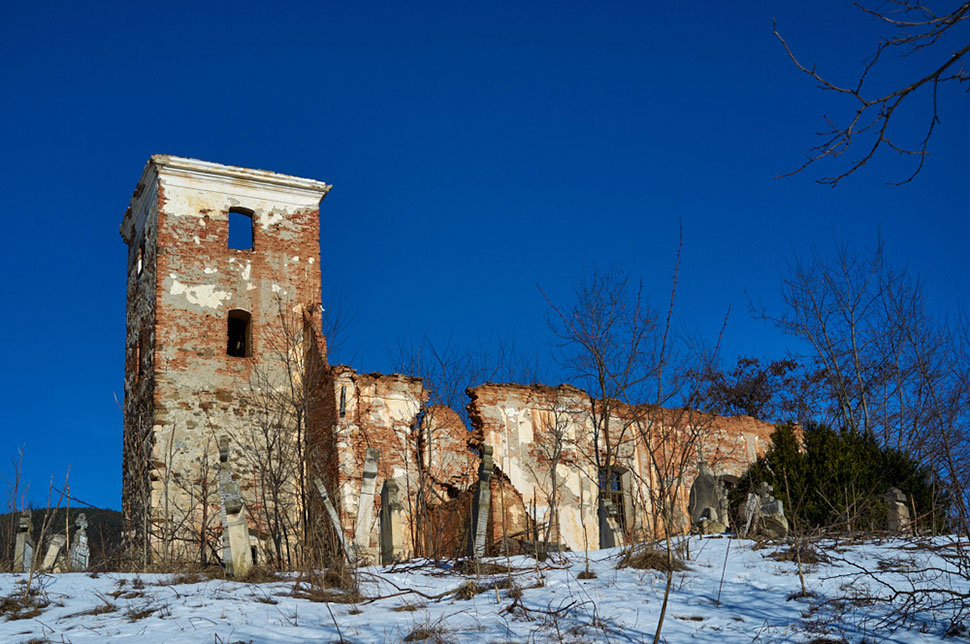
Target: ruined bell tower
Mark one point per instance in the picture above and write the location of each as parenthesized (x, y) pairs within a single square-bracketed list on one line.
[(223, 263)]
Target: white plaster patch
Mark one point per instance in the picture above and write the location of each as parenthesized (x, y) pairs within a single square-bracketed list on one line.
[(269, 219), (209, 271), (195, 238), (204, 295), (310, 259), (296, 258), (232, 260), (246, 271)]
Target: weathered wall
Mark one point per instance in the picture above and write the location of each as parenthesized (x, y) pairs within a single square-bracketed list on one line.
[(374, 411), (191, 282), (535, 429)]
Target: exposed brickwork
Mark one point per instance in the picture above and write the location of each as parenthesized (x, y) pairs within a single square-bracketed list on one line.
[(183, 390), (532, 427), (192, 391), (379, 411)]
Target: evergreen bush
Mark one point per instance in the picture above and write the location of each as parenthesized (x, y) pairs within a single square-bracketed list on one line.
[(838, 479)]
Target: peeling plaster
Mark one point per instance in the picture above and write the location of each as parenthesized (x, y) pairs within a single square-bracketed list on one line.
[(204, 295), (269, 219)]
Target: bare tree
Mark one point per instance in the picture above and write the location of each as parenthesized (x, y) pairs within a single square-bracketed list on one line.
[(632, 366), (779, 391), (936, 39), (886, 362), (607, 343), (283, 389)]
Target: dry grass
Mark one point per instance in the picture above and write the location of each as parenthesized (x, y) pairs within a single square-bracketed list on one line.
[(472, 567), (435, 633), (317, 594), (407, 608), (468, 590), (18, 606), (134, 614), (586, 574), (649, 558), (809, 555)]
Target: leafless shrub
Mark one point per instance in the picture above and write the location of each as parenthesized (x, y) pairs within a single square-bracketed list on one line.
[(646, 557)]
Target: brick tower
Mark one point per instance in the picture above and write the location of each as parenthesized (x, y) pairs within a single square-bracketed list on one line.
[(223, 287)]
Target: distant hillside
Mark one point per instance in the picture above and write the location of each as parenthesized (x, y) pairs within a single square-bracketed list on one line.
[(104, 533)]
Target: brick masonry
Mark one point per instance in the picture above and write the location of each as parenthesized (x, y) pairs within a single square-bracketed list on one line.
[(183, 391)]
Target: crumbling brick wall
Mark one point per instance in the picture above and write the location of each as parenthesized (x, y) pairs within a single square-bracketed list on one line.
[(531, 428), (191, 280), (374, 411)]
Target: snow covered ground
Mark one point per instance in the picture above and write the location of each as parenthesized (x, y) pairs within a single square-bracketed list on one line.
[(555, 605)]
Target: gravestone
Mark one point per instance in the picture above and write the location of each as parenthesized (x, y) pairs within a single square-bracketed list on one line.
[(611, 536), (54, 547), (225, 479), (365, 506), (235, 527), (392, 532), (772, 523), (708, 504), (23, 555), (348, 548), (481, 505), (79, 552), (897, 513), (749, 514)]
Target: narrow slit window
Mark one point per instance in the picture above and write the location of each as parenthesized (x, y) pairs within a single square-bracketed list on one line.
[(141, 258), (240, 229), (240, 334)]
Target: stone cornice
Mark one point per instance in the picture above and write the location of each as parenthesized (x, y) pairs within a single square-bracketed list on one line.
[(167, 164), (173, 166)]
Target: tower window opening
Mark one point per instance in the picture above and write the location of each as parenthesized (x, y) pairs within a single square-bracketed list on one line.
[(140, 262), (240, 334), (240, 229)]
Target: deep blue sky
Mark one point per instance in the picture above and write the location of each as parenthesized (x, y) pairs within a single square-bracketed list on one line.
[(475, 150)]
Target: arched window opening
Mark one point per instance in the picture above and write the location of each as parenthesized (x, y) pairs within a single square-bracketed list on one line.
[(240, 229), (240, 334)]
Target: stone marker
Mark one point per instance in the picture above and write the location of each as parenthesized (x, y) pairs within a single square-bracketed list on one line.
[(224, 478), (392, 530), (23, 555), (365, 506), (239, 546), (235, 527), (897, 514), (79, 552), (772, 523), (54, 547), (708, 506), (348, 548), (749, 514), (481, 505), (611, 536)]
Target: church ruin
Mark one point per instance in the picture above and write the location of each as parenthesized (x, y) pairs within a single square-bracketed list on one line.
[(224, 345)]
